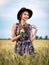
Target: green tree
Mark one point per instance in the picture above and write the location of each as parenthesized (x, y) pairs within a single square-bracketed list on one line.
[(46, 37)]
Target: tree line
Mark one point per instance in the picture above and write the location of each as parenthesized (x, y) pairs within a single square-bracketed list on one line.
[(37, 38), (40, 37)]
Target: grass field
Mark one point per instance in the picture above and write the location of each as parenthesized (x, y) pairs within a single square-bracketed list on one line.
[(8, 57)]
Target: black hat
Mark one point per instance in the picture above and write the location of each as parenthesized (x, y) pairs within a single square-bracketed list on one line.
[(23, 10)]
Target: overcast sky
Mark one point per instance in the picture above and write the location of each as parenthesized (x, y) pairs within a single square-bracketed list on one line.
[(8, 15)]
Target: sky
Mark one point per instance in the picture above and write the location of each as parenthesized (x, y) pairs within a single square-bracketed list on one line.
[(10, 8)]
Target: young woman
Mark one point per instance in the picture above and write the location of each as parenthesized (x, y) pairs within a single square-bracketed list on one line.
[(22, 33)]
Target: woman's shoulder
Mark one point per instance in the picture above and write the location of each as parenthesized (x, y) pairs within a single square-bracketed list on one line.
[(30, 26), (15, 25)]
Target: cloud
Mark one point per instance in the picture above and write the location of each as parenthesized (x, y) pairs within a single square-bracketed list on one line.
[(3, 2), (36, 5)]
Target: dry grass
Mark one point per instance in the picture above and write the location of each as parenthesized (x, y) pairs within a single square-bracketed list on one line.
[(8, 57)]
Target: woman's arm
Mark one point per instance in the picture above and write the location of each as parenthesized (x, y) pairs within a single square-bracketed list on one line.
[(32, 36), (14, 37)]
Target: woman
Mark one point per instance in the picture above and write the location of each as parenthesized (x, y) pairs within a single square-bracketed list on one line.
[(22, 33)]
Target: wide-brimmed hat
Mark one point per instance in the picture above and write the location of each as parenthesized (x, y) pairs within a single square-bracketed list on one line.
[(23, 10)]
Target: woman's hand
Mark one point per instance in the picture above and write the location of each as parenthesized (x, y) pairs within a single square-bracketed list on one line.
[(32, 36), (35, 27), (22, 31)]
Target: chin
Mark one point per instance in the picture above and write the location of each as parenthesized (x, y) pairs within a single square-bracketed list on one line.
[(25, 19)]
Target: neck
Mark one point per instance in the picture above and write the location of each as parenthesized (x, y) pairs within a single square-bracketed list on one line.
[(23, 22)]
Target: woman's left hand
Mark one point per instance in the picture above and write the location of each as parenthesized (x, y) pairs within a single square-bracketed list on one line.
[(35, 27), (32, 36)]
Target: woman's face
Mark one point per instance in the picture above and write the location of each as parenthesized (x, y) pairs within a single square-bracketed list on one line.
[(25, 15)]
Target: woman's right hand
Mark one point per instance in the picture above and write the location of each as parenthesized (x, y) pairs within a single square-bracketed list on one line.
[(22, 30)]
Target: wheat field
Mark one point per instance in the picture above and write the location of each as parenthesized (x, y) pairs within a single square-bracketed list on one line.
[(8, 57)]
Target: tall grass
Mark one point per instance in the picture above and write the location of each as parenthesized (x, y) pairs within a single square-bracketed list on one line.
[(8, 57)]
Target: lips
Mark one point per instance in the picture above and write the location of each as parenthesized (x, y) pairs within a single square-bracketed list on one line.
[(25, 18)]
